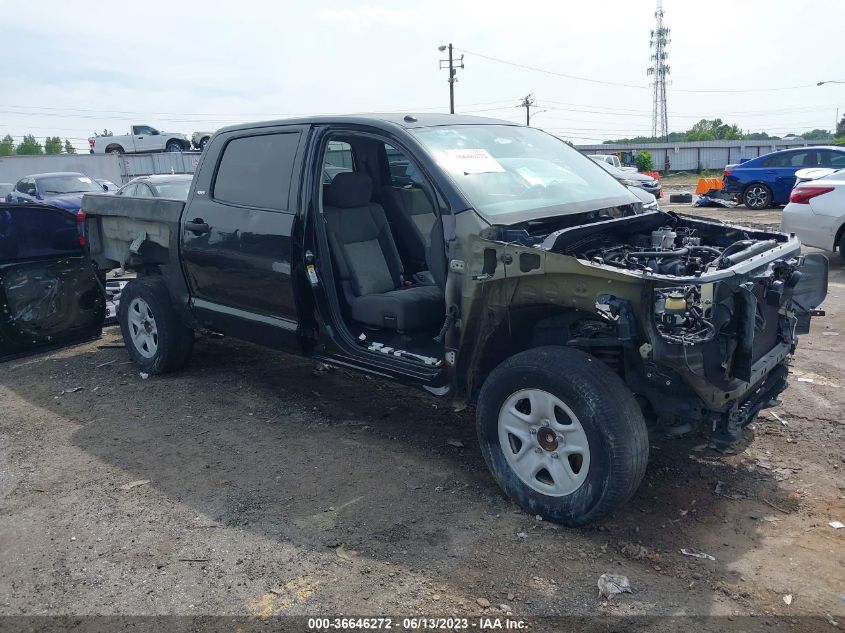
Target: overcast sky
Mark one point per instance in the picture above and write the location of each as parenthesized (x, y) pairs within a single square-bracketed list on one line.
[(74, 68)]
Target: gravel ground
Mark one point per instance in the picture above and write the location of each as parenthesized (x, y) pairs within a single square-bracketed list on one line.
[(248, 485)]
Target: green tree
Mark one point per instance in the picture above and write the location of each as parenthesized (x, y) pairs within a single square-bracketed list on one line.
[(52, 145), (643, 161), (29, 146), (713, 130), (840, 127), (69, 148), (759, 136), (817, 135), (7, 146)]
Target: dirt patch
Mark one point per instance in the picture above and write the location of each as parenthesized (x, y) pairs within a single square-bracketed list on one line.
[(274, 491)]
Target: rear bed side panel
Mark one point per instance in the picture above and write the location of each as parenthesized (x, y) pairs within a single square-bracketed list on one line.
[(139, 234)]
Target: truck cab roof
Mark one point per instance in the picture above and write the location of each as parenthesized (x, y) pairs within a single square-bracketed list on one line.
[(382, 120)]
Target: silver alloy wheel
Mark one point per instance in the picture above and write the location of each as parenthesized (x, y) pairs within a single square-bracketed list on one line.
[(757, 197), (142, 328), (543, 442)]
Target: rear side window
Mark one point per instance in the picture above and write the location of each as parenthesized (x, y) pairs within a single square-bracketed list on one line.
[(256, 171)]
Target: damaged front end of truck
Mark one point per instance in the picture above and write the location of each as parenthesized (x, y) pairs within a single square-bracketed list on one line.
[(699, 318)]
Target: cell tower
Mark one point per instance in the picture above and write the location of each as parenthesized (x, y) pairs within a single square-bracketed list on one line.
[(658, 71)]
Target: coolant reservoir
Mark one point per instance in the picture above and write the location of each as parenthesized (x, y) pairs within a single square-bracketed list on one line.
[(675, 308)]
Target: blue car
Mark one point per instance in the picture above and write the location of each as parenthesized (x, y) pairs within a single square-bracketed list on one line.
[(59, 189), (768, 179)]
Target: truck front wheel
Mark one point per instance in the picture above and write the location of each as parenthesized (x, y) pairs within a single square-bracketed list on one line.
[(562, 434), (154, 335)]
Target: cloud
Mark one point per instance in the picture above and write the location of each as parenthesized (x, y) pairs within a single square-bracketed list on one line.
[(367, 16)]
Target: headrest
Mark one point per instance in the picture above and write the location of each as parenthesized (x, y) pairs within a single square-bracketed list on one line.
[(349, 189)]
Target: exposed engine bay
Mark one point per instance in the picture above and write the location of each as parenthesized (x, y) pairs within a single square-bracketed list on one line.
[(662, 244), (670, 251)]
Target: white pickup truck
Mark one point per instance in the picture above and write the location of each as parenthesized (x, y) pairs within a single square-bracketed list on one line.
[(610, 159), (142, 139)]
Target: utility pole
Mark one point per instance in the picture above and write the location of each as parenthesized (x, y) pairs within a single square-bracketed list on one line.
[(527, 102), (453, 71)]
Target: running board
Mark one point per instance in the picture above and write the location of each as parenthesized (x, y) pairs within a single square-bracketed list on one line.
[(398, 353)]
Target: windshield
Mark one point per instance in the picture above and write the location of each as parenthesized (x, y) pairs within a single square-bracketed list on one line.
[(506, 170), (173, 190), (56, 185)]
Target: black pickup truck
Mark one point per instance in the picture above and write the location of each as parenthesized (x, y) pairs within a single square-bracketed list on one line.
[(478, 259)]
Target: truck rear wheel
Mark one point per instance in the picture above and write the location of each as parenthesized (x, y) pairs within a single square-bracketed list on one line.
[(154, 335), (562, 434)]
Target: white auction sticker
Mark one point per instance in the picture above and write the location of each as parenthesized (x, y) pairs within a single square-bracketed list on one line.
[(474, 161)]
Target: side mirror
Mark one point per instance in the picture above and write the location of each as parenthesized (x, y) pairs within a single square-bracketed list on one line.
[(105, 187)]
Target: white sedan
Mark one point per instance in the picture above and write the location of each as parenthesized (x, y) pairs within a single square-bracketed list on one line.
[(816, 209)]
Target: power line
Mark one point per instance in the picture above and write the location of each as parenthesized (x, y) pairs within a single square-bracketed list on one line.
[(546, 71)]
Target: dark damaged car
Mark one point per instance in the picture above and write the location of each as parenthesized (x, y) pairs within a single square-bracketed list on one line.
[(492, 264), (50, 293)]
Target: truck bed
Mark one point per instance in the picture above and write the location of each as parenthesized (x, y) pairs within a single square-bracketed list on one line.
[(118, 227)]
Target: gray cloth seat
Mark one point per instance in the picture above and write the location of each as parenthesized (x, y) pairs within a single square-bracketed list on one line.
[(368, 264), (412, 216)]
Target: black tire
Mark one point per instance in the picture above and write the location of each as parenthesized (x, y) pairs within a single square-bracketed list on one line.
[(203, 143), (114, 149), (757, 196), (174, 341), (174, 146), (607, 412)]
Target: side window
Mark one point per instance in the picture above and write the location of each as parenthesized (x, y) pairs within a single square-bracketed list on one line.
[(143, 191), (138, 130), (403, 172), (21, 186), (339, 158), (30, 233), (29, 186), (256, 171), (828, 158), (129, 190)]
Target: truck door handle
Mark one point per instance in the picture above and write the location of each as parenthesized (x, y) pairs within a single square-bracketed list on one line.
[(197, 226)]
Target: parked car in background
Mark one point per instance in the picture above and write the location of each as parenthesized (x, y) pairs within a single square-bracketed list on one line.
[(633, 179), (58, 189), (170, 186), (612, 160), (199, 139), (767, 180), (5, 189), (107, 185), (816, 210), (141, 139)]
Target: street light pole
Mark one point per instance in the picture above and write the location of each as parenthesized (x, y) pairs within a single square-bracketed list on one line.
[(836, 111), (453, 71)]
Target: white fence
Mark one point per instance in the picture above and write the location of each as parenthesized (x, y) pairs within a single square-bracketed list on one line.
[(118, 169), (700, 155)]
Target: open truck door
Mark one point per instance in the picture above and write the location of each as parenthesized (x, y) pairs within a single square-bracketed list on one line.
[(50, 293)]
